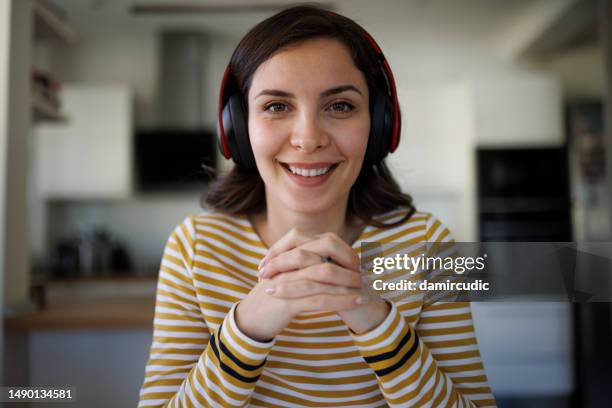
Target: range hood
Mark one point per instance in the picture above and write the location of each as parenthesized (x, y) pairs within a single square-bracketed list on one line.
[(181, 93), (179, 137)]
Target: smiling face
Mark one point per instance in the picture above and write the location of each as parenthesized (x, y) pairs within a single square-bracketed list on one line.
[(309, 123)]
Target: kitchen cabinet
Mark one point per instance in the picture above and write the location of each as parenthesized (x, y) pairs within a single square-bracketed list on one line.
[(89, 156), (91, 329), (526, 347), (517, 111)]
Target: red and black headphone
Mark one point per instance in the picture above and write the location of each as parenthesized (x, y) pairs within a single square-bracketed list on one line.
[(233, 129)]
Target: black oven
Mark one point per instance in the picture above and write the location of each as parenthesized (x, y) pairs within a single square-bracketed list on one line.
[(171, 159)]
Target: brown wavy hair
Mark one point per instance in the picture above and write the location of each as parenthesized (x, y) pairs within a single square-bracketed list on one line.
[(241, 190)]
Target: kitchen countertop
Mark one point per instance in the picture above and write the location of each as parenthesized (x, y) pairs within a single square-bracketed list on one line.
[(97, 313), (106, 304)]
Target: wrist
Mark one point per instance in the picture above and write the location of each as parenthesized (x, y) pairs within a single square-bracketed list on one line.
[(367, 317), (254, 332)]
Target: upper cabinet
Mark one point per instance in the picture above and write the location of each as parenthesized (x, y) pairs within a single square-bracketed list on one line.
[(519, 111), (90, 155)]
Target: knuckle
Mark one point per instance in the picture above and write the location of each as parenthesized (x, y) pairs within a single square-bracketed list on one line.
[(301, 255), (326, 235), (304, 285), (280, 277), (330, 241), (331, 236), (282, 289)]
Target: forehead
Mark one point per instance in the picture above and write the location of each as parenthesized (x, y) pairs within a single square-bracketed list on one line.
[(315, 64)]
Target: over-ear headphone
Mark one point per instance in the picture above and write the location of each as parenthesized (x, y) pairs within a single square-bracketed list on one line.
[(233, 129)]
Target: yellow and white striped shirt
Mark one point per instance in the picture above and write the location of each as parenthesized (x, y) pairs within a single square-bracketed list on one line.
[(421, 355)]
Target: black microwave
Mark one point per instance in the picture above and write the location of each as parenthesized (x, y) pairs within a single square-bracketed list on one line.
[(173, 159)]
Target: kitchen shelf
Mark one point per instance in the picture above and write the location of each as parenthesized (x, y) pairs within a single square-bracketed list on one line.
[(49, 26), (44, 111)]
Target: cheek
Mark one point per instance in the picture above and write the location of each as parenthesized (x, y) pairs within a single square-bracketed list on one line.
[(264, 140), (352, 140)]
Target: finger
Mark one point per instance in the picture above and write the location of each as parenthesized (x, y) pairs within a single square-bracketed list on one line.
[(327, 245), (327, 303), (327, 273), (290, 240), (291, 260), (332, 246), (303, 288)]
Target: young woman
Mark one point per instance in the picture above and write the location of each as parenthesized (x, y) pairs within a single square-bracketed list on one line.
[(260, 299)]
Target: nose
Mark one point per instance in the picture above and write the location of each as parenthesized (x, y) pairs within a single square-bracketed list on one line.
[(308, 136)]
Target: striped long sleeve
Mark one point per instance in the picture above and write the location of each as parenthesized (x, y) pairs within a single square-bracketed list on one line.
[(423, 354), (436, 362), (190, 364)]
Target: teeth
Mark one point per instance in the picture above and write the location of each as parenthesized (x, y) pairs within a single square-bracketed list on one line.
[(309, 172)]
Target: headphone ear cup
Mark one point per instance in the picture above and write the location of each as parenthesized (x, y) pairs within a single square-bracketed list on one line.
[(381, 127), (225, 137), (235, 124)]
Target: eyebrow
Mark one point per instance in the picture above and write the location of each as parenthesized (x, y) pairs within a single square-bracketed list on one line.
[(324, 94)]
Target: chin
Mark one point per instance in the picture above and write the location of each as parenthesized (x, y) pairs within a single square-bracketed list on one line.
[(311, 205)]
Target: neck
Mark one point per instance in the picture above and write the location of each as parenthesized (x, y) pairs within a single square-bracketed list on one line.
[(276, 221)]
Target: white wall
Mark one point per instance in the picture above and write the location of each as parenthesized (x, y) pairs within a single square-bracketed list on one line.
[(434, 161)]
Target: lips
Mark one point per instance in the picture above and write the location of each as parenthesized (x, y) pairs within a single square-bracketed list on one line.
[(309, 174)]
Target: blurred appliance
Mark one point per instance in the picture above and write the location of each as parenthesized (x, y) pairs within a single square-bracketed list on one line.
[(171, 159), (523, 195)]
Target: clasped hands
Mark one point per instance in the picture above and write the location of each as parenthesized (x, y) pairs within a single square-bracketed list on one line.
[(308, 273)]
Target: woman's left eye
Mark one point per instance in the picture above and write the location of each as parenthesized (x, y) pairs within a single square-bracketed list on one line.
[(341, 107)]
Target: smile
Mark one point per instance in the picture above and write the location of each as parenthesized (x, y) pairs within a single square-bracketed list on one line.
[(309, 174)]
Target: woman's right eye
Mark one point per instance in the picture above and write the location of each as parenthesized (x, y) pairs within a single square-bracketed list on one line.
[(276, 107)]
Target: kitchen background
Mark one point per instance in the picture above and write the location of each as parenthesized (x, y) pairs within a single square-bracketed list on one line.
[(503, 140)]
